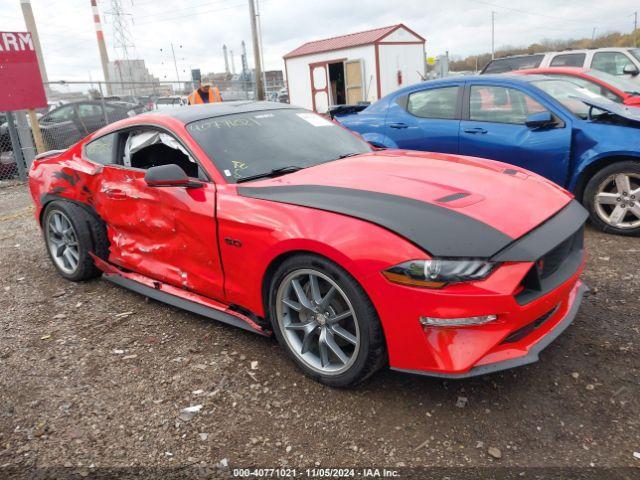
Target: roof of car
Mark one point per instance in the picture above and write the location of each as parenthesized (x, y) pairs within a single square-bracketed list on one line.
[(465, 78), (193, 113)]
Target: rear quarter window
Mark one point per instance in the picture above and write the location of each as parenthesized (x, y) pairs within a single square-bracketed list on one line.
[(101, 150)]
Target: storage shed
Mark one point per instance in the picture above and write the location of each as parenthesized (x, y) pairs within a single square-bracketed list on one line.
[(353, 68)]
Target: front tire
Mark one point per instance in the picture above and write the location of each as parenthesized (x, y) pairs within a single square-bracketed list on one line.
[(325, 321), (612, 197), (70, 234)]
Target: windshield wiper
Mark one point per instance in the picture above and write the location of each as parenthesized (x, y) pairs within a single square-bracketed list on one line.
[(345, 155), (271, 173)]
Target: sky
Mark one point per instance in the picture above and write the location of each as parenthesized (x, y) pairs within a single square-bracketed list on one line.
[(198, 28)]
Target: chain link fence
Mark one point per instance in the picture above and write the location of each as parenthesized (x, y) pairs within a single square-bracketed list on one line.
[(78, 108), (8, 166)]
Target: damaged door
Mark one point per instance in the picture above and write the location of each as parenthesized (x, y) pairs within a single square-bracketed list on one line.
[(166, 233)]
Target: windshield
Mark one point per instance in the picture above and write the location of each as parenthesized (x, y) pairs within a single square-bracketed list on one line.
[(635, 52), (569, 94), (619, 82), (247, 144)]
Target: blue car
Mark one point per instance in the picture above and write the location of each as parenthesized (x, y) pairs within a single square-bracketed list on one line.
[(574, 137)]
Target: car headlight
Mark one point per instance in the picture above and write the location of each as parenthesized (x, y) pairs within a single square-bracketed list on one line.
[(438, 272)]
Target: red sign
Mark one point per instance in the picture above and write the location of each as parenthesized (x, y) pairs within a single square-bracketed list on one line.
[(20, 80)]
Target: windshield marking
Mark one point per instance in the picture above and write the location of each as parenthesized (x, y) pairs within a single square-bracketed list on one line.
[(237, 168), (226, 123)]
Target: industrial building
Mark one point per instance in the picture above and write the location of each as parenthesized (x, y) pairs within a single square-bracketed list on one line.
[(131, 71)]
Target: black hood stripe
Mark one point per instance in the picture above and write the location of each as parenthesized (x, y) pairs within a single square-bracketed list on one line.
[(440, 231)]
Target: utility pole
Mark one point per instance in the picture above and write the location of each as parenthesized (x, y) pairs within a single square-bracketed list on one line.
[(493, 36), (256, 52), (175, 64), (264, 73), (635, 28), (104, 58), (30, 22)]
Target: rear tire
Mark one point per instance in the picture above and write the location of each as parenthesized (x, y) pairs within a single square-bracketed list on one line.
[(345, 340), (612, 197), (70, 234)]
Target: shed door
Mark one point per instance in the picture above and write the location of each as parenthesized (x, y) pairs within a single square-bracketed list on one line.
[(355, 89), (319, 87)]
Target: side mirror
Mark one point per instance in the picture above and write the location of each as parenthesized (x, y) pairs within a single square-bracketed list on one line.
[(630, 70), (169, 176), (538, 120)]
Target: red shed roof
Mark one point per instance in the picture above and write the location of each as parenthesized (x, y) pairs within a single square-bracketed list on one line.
[(346, 41)]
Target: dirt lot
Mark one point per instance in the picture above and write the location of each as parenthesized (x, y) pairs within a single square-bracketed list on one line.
[(93, 376)]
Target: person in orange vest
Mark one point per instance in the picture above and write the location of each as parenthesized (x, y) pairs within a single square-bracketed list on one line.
[(205, 94)]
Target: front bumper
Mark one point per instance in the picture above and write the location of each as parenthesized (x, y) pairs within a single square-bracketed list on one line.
[(535, 293), (532, 350)]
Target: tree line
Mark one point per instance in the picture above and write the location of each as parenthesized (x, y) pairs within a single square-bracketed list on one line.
[(613, 39)]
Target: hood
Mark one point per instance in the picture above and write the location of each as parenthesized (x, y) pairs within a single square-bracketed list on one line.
[(624, 111), (494, 198)]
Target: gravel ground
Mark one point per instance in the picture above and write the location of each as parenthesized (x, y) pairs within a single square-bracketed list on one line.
[(93, 376)]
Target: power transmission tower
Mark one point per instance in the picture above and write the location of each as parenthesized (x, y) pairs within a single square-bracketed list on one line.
[(122, 41)]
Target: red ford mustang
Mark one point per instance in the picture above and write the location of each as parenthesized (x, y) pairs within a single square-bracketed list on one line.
[(273, 219)]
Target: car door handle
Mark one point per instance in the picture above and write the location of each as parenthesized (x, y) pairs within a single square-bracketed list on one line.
[(475, 130), (398, 125), (115, 193)]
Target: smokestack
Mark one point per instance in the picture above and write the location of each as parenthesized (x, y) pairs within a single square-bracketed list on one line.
[(30, 21), (243, 58), (233, 63), (104, 58), (226, 59)]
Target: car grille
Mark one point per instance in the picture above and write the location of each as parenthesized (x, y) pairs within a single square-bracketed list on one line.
[(553, 268)]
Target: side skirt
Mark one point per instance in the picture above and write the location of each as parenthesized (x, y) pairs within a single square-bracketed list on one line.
[(174, 296)]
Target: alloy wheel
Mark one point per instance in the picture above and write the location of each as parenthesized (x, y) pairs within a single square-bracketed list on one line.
[(617, 200), (63, 242), (317, 321)]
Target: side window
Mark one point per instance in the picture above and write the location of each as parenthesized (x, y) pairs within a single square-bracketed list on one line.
[(501, 105), (101, 149), (434, 103), (86, 110), (144, 149), (568, 60), (610, 62), (114, 113), (62, 114)]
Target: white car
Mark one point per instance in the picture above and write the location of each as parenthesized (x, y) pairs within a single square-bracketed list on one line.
[(169, 103), (614, 61)]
